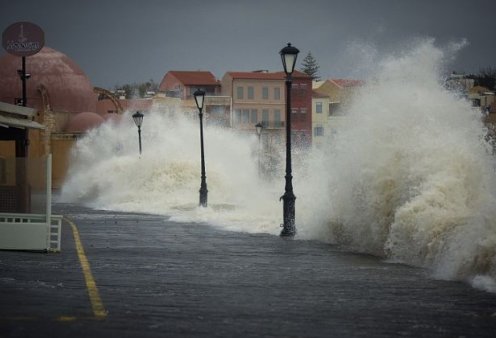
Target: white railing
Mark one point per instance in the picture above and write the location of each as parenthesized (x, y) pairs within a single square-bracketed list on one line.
[(37, 232), (30, 232)]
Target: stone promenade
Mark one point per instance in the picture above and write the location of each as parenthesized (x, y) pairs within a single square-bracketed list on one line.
[(134, 275)]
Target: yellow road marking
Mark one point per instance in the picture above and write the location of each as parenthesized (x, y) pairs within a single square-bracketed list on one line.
[(96, 302)]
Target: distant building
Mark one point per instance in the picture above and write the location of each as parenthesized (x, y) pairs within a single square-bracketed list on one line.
[(183, 84), (340, 92), (320, 118), (459, 82), (481, 97), (260, 96)]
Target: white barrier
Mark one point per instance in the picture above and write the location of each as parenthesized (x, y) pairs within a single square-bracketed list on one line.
[(30, 232), (36, 232)]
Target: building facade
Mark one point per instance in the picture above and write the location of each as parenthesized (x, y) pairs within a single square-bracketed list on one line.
[(183, 84), (256, 97), (320, 119), (260, 96), (340, 91), (301, 109)]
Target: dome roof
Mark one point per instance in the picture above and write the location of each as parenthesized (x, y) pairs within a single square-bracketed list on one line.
[(69, 89), (83, 122)]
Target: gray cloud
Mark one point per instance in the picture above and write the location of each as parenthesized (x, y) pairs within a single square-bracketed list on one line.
[(135, 40)]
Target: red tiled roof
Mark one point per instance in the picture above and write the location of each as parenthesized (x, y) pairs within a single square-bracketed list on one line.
[(192, 78), (348, 83), (256, 75)]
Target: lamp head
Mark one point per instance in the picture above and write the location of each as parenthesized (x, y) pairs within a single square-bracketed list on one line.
[(288, 56), (199, 98), (138, 119), (259, 127)]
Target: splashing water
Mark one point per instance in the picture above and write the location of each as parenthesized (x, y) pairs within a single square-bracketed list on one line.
[(407, 177), (108, 173), (410, 177)]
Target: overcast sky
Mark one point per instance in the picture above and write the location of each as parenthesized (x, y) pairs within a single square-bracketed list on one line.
[(122, 41)]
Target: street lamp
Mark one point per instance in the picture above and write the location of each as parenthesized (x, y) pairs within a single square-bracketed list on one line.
[(288, 56), (259, 126), (200, 99), (138, 120)]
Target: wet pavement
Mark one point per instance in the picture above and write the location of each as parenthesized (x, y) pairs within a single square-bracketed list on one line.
[(150, 277)]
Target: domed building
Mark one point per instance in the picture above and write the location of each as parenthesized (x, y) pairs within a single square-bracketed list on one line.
[(68, 89), (63, 98), (82, 122)]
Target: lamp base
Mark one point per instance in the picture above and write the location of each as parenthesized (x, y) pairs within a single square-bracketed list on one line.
[(288, 233)]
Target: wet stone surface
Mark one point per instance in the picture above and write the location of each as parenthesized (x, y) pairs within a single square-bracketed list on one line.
[(159, 278)]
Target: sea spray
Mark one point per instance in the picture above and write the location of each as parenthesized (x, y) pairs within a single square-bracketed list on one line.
[(107, 172), (407, 176), (410, 175)]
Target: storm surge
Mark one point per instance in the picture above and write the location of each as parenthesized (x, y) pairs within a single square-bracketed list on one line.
[(407, 176), (410, 175), (107, 172)]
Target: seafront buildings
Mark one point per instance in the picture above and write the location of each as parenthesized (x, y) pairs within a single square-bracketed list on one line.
[(62, 105)]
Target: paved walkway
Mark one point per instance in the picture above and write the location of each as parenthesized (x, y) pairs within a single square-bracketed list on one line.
[(148, 277)]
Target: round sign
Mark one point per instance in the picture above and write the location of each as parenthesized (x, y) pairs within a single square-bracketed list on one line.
[(23, 39)]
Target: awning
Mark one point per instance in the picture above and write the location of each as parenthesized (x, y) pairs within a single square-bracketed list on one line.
[(7, 121)]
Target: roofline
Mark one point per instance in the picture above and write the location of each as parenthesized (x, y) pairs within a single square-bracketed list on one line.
[(18, 110)]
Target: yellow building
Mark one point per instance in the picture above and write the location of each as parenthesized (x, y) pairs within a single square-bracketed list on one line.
[(339, 91), (320, 119)]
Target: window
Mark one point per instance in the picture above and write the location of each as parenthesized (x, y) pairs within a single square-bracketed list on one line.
[(318, 131), (277, 93), (237, 116), (254, 118), (265, 93), (245, 117), (239, 93), (265, 117), (250, 93), (277, 118), (318, 107)]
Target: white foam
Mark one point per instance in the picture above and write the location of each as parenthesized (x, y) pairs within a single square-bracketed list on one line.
[(408, 176)]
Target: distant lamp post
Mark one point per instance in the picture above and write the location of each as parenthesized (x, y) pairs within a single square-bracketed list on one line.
[(259, 126), (200, 99), (138, 120), (288, 56)]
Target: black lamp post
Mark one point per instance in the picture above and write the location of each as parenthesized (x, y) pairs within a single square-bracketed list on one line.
[(259, 126), (288, 56), (138, 120), (200, 99), (24, 76)]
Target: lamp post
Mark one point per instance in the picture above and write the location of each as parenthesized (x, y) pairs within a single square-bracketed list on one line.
[(200, 99), (138, 120), (259, 126), (288, 56), (24, 76)]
